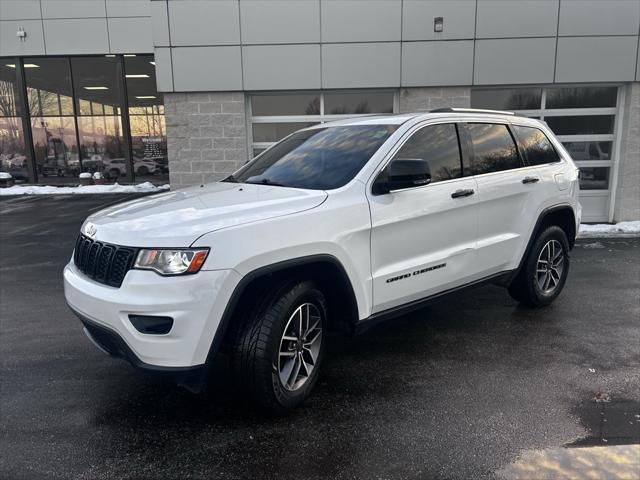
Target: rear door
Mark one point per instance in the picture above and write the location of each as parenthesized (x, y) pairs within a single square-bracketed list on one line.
[(423, 238), (506, 195)]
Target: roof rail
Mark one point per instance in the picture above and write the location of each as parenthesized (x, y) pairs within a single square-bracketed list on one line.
[(470, 110)]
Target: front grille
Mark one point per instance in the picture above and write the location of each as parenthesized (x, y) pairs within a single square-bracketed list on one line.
[(103, 262)]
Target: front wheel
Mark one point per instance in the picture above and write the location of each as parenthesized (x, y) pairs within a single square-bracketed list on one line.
[(544, 271), (279, 349)]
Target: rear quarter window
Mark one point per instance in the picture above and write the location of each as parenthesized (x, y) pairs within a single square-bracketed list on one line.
[(537, 148)]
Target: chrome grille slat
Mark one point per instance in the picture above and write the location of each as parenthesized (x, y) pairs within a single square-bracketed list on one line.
[(103, 262)]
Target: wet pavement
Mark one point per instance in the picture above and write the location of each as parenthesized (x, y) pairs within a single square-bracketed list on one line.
[(472, 387)]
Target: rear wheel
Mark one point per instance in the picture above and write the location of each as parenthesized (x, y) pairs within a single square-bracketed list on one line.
[(279, 349), (544, 271)]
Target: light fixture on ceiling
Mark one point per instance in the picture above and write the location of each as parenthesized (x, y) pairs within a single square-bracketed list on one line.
[(145, 97), (138, 75), (96, 88), (152, 63), (110, 56), (129, 55), (26, 65)]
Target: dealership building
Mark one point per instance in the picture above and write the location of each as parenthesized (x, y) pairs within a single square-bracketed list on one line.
[(187, 91)]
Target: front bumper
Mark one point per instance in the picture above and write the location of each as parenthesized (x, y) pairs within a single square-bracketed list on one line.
[(195, 302)]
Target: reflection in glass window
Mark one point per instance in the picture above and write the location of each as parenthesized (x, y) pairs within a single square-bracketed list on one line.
[(55, 147), (493, 148), (589, 150), (267, 105), (274, 132), (581, 97), (358, 103), (13, 157), (48, 87), (97, 93), (536, 145), (438, 145), (581, 125), (318, 159), (146, 121), (507, 98), (594, 178)]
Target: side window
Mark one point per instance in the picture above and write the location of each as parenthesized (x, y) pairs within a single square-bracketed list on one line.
[(438, 145), (537, 147), (493, 148)]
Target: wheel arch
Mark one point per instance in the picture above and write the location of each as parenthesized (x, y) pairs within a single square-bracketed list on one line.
[(560, 215), (324, 269)]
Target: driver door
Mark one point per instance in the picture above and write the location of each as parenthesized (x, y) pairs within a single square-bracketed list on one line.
[(423, 238)]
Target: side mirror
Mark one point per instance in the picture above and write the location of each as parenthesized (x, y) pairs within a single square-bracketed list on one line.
[(403, 173)]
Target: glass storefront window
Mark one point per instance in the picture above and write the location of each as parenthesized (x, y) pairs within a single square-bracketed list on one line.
[(274, 132), (96, 81), (13, 157), (75, 111), (507, 98), (55, 147), (581, 125), (262, 105), (300, 110), (146, 120), (358, 103), (49, 95), (581, 97)]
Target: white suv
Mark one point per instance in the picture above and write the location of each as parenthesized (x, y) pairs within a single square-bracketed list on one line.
[(335, 227)]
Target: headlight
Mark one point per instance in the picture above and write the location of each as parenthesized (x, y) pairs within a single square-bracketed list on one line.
[(171, 262)]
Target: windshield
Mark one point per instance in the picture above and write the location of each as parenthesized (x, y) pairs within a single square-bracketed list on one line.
[(317, 159)]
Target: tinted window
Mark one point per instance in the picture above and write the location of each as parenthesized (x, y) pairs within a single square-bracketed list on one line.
[(493, 148), (537, 147), (438, 145), (319, 159)]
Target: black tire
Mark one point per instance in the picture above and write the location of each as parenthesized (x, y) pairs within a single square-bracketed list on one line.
[(257, 343), (525, 288)]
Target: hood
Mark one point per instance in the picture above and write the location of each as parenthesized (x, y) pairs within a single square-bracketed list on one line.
[(177, 219)]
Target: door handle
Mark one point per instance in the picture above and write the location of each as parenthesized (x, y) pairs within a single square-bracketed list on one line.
[(463, 193), (530, 180)]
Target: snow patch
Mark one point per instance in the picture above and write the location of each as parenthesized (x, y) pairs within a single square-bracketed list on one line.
[(605, 229), (49, 190)]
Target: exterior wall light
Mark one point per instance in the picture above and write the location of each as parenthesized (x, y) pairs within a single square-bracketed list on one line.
[(438, 24)]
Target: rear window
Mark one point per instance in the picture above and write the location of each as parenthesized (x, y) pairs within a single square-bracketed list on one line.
[(536, 146), (317, 159), (493, 148)]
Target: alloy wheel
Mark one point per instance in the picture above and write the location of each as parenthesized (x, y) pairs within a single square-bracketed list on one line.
[(550, 266), (300, 346)]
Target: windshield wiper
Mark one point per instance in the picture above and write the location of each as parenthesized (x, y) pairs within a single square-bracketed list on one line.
[(265, 181), (230, 179)]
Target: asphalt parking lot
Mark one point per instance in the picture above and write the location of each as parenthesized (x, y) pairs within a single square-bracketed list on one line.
[(458, 390)]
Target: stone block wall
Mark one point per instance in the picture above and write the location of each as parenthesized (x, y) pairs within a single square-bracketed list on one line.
[(627, 205), (206, 136), (422, 99)]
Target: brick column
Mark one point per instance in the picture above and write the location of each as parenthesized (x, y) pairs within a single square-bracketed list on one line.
[(206, 136)]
